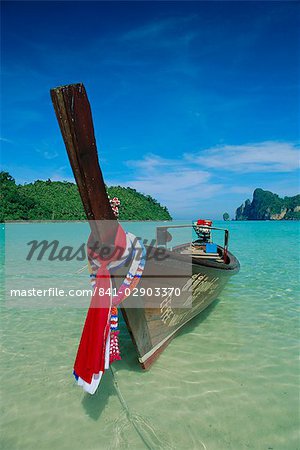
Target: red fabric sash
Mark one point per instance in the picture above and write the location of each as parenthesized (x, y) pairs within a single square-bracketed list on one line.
[(90, 357)]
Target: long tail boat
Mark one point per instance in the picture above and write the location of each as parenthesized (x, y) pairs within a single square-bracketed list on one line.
[(180, 285)]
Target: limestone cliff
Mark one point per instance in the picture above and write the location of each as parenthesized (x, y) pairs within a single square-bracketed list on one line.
[(268, 206)]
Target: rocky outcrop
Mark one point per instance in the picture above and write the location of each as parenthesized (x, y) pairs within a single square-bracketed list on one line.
[(268, 206), (279, 216)]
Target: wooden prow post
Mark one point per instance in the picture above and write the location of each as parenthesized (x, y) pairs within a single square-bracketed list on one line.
[(74, 117)]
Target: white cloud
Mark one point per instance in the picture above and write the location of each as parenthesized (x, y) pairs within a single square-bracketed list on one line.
[(8, 141), (265, 156), (199, 181), (47, 151), (174, 183), (48, 154), (59, 175), (152, 162), (152, 30)]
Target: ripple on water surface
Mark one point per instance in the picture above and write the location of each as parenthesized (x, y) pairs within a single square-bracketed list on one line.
[(228, 381)]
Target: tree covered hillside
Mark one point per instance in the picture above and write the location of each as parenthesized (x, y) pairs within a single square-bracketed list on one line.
[(60, 200), (268, 206)]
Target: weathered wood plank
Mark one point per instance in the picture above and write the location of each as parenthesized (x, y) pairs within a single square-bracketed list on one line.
[(74, 116)]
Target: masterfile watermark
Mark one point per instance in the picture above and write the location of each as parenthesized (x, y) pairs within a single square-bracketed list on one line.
[(52, 291), (56, 251), (48, 264)]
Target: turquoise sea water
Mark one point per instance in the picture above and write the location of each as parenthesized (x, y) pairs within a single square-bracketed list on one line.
[(229, 380)]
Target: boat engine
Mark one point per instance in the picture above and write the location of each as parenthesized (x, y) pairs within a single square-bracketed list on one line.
[(203, 231)]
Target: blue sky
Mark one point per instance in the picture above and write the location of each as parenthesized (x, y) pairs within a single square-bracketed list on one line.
[(195, 103)]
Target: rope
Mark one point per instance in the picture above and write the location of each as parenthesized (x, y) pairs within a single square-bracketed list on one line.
[(146, 433), (129, 416)]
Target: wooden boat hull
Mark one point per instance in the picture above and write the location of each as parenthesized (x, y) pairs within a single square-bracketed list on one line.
[(154, 320)]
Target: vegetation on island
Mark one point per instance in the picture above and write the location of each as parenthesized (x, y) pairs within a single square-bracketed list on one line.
[(60, 200), (268, 206), (226, 216)]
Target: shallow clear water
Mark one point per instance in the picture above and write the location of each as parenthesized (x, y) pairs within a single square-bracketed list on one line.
[(229, 380)]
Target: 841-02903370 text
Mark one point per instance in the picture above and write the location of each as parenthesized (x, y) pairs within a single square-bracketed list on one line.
[(142, 292)]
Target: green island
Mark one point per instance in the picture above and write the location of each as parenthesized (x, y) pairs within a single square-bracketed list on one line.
[(60, 200), (266, 205)]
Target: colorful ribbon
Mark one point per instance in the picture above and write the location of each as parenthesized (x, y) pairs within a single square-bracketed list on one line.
[(99, 341)]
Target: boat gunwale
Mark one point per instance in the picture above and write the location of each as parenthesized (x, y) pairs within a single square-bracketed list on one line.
[(233, 265)]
